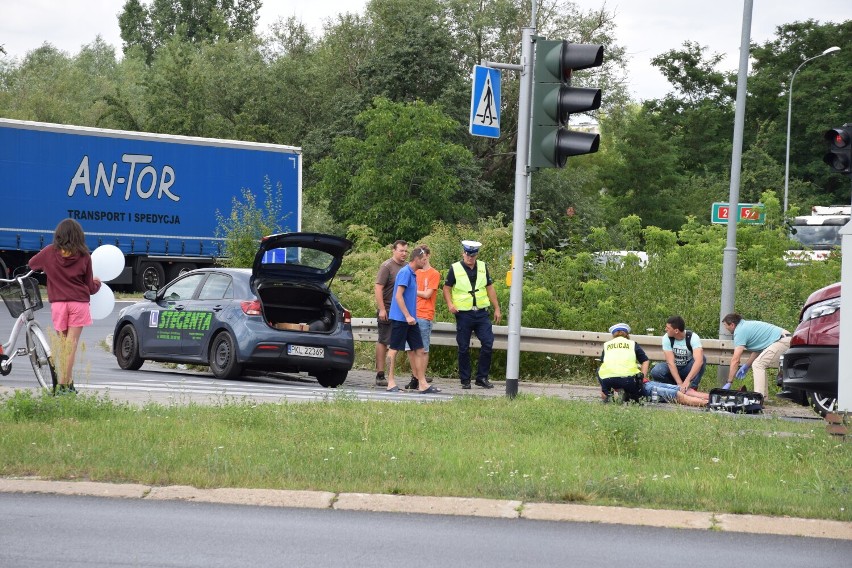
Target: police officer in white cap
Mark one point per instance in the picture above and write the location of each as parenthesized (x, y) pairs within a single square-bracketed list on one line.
[(620, 367), (469, 293)]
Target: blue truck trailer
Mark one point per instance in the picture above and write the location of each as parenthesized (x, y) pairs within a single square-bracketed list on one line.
[(154, 196)]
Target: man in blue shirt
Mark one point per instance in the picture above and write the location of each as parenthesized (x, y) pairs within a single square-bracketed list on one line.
[(403, 320), (765, 341), (681, 349)]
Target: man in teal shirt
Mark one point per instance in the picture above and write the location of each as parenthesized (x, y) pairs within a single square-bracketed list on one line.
[(765, 341)]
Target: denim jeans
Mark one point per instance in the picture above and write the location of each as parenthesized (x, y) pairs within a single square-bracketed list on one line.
[(478, 322), (660, 373), (667, 392), (425, 326)]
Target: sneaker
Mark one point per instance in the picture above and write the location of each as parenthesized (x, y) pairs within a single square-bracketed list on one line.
[(466, 385), (414, 384), (484, 383), (381, 381)]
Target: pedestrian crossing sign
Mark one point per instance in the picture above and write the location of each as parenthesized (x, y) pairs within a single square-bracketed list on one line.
[(485, 102)]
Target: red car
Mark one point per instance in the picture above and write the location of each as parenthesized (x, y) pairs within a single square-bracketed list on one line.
[(808, 369)]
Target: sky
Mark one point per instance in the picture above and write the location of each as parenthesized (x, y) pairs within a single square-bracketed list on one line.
[(645, 28)]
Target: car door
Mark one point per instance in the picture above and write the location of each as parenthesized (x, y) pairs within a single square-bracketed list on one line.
[(215, 296), (167, 320)]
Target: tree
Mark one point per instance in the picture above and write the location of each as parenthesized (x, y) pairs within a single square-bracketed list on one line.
[(50, 86), (248, 222), (136, 29), (401, 174), (699, 115), (646, 170), (175, 102), (412, 58), (196, 21), (822, 97)]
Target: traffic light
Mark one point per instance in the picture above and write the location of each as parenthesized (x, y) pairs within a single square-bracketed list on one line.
[(839, 156), (554, 99)]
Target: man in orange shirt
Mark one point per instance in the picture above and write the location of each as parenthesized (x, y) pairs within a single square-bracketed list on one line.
[(428, 280)]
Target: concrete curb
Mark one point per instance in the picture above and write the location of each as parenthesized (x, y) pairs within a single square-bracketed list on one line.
[(236, 496), (818, 528), (464, 506), (85, 488), (618, 515)]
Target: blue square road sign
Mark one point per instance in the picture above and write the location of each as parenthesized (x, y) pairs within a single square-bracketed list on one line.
[(485, 102)]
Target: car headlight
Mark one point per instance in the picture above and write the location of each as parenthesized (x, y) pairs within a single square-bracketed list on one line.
[(821, 309)]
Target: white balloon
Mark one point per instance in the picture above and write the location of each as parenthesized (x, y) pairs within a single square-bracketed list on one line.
[(102, 303), (107, 262)]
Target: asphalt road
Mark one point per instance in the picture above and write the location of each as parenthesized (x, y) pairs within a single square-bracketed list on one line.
[(97, 371), (60, 531)]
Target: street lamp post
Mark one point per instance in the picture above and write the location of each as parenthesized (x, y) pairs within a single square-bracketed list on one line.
[(789, 114)]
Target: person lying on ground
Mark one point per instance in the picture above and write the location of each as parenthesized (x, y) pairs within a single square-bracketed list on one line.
[(672, 393)]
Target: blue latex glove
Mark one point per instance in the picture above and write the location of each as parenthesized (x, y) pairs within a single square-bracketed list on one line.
[(742, 372)]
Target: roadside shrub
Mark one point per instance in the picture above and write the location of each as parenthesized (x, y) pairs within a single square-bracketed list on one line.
[(573, 292)]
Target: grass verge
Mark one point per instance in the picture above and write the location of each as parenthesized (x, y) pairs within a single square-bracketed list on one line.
[(532, 449)]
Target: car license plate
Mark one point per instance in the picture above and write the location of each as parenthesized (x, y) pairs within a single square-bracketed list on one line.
[(304, 351)]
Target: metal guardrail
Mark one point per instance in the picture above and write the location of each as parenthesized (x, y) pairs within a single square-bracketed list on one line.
[(555, 341)]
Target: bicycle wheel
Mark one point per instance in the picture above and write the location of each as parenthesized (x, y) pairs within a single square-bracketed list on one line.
[(40, 358)]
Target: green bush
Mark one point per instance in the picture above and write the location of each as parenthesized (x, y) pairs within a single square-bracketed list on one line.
[(571, 291)]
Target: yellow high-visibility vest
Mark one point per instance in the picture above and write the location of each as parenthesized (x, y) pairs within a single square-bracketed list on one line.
[(463, 293), (619, 359)]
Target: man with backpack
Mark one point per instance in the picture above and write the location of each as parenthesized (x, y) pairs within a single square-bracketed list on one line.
[(682, 348)]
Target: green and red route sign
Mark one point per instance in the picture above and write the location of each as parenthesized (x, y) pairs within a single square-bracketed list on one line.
[(748, 213)]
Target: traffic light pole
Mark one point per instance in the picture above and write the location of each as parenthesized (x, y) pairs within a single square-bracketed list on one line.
[(519, 225)]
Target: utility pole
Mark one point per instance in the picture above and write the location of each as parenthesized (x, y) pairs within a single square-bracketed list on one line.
[(729, 259)]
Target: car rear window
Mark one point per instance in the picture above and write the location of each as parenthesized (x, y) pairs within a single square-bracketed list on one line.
[(297, 256)]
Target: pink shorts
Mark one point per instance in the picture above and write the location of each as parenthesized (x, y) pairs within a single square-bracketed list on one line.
[(70, 314)]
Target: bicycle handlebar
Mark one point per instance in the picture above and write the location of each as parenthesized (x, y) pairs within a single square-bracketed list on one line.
[(15, 278)]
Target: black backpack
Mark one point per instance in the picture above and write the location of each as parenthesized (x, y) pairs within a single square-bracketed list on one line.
[(688, 340)]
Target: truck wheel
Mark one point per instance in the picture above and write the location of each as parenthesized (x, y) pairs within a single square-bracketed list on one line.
[(823, 403), (331, 379), (223, 357), (178, 269), (150, 277)]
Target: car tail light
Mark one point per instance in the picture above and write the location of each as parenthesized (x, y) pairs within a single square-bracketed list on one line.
[(798, 339), (251, 307), (347, 316)]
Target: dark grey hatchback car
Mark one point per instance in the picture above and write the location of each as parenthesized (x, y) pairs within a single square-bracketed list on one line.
[(279, 316)]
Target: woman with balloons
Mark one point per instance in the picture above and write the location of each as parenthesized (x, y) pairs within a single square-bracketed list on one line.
[(70, 283)]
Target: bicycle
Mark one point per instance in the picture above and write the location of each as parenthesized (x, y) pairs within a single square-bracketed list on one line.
[(22, 297)]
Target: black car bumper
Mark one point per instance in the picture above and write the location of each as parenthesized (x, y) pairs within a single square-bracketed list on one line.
[(809, 368)]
